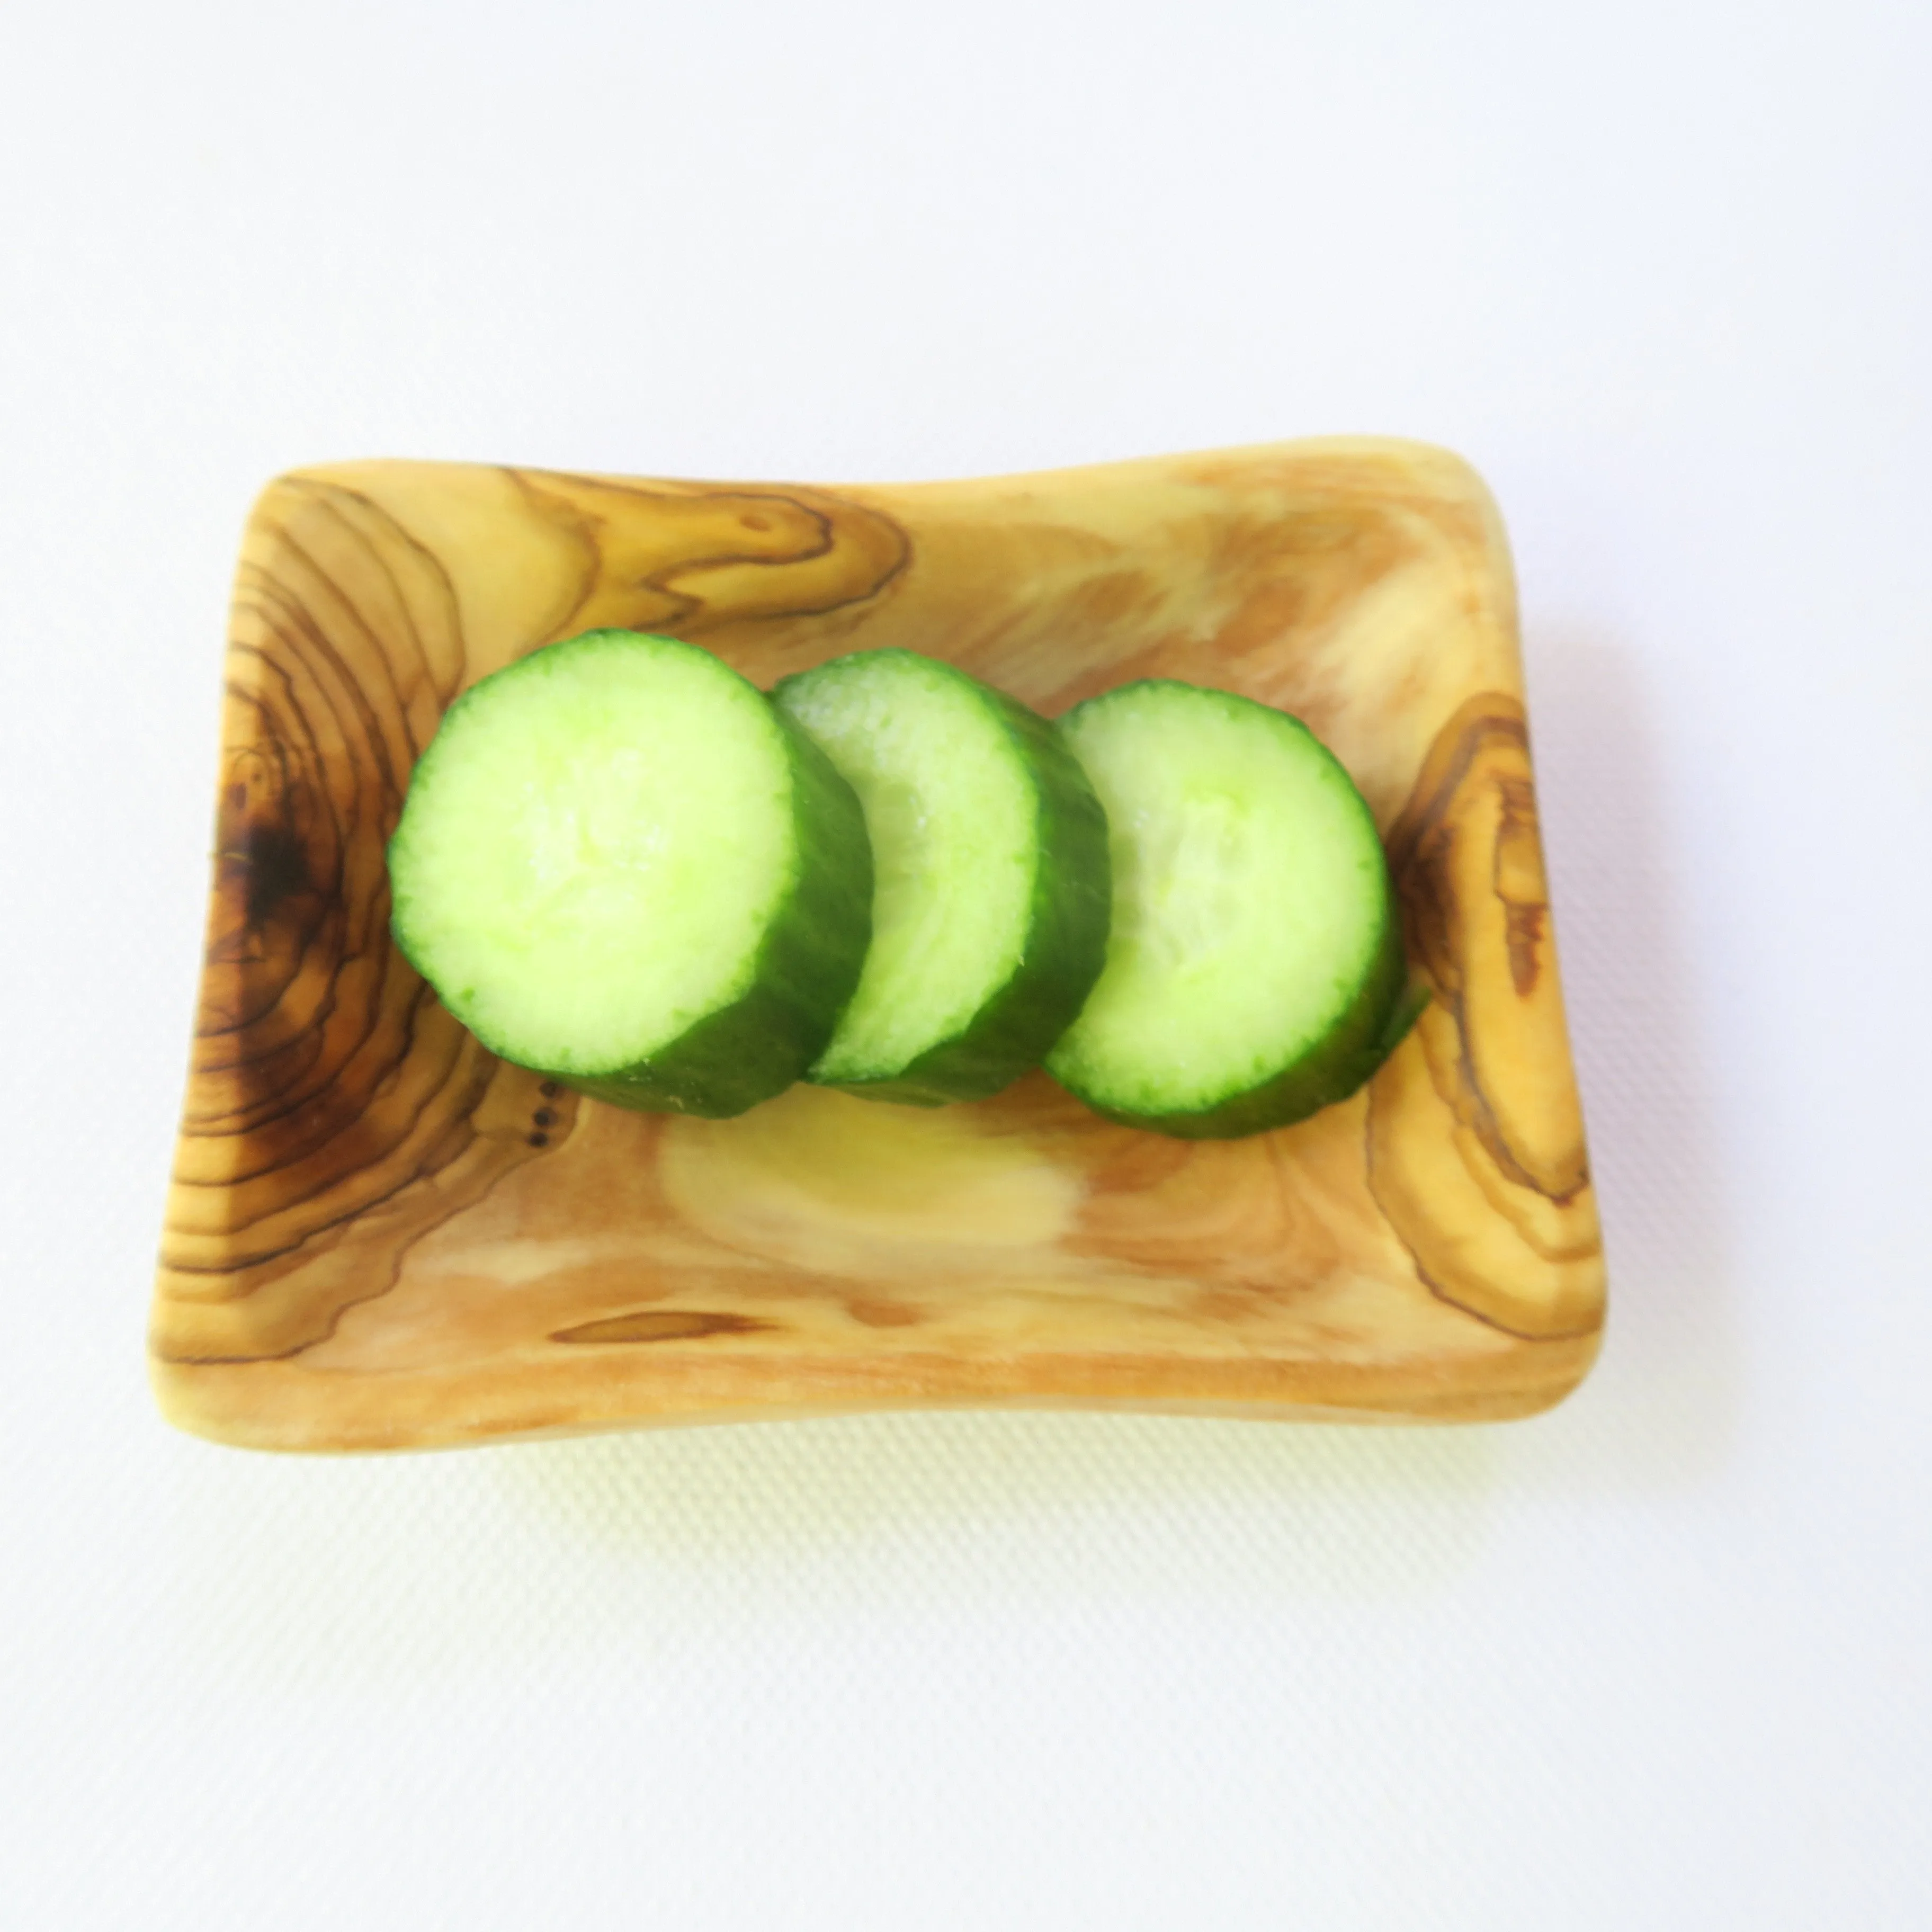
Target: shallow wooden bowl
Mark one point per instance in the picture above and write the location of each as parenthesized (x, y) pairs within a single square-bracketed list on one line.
[(379, 1237)]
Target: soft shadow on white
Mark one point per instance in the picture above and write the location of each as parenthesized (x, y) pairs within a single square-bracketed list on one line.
[(1660, 1408)]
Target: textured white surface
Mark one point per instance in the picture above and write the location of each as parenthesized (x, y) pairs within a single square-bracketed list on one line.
[(1660, 1660)]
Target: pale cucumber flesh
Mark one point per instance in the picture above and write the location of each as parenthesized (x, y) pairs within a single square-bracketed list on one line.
[(1254, 960), (617, 863), (990, 896)]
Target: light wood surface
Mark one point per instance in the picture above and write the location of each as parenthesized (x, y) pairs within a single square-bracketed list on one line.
[(378, 1236)]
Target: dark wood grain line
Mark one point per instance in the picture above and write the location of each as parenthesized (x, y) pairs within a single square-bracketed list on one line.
[(660, 1325)]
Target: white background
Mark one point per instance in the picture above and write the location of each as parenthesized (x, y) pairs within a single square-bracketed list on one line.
[(1664, 273)]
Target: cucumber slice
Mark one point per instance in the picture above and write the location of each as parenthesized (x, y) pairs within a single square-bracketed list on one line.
[(618, 864), (989, 916), (1255, 971)]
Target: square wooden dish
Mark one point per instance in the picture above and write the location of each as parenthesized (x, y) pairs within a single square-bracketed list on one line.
[(379, 1237)]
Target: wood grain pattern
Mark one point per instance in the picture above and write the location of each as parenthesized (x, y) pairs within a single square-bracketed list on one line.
[(379, 1236)]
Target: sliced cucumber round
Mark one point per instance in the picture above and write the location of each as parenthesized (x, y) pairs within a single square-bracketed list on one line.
[(1255, 968), (990, 908), (619, 864)]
